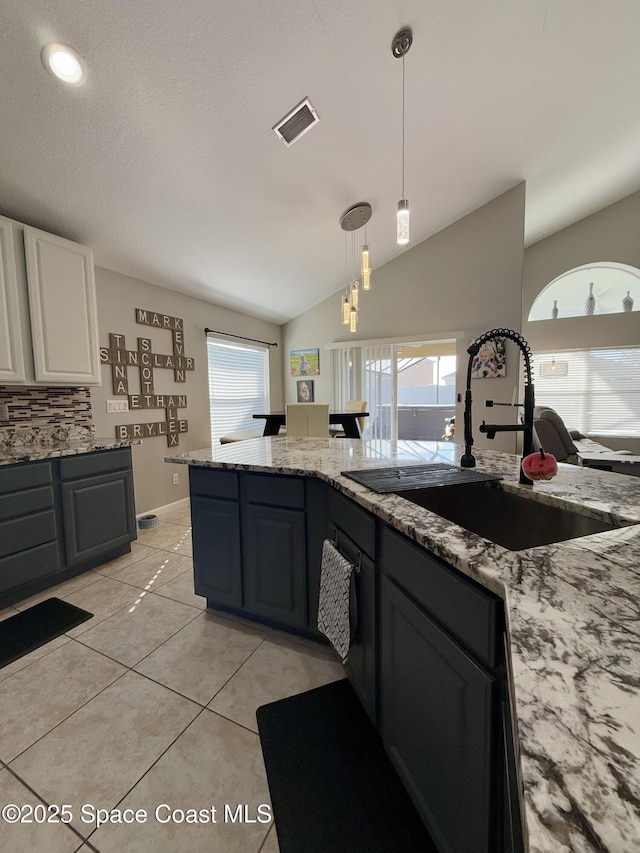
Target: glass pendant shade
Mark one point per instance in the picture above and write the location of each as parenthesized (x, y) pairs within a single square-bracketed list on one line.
[(402, 231), (365, 260), (355, 294), (365, 269), (353, 320), (346, 308)]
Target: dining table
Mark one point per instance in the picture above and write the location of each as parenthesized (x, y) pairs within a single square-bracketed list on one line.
[(347, 420)]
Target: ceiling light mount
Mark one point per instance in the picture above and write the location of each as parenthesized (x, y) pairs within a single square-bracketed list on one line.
[(401, 43), (355, 217), (65, 63)]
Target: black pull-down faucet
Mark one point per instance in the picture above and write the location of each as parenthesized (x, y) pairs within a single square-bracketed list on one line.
[(468, 460)]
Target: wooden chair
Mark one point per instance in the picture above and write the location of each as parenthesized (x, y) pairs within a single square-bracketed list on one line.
[(352, 406), (308, 419)]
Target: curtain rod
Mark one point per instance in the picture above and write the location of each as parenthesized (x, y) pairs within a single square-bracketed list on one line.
[(241, 337)]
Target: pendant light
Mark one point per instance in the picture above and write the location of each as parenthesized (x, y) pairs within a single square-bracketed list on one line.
[(400, 47), (355, 294), (346, 309), (351, 220), (365, 264)]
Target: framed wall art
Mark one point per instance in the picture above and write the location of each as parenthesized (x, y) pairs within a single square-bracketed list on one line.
[(304, 362), (490, 363), (304, 388)]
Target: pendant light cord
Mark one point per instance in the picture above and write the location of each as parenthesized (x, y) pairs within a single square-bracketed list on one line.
[(403, 125)]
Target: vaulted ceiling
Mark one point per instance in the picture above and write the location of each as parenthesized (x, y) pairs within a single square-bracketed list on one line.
[(165, 161)]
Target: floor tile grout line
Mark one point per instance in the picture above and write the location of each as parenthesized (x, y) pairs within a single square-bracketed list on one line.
[(203, 709), (125, 607), (44, 800), (142, 589), (177, 737), (200, 612), (128, 565), (196, 610), (272, 828), (75, 710), (35, 660), (51, 590)]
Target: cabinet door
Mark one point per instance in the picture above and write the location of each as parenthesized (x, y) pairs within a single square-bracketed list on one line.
[(12, 368), (275, 564), (62, 304), (98, 515), (216, 550), (437, 714)]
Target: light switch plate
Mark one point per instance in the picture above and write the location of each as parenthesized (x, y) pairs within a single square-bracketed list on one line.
[(117, 406), (4, 411)]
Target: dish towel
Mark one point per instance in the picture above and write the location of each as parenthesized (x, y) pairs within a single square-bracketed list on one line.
[(335, 596)]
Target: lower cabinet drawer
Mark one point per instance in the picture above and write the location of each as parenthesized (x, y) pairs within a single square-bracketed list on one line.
[(470, 613), (19, 534), (356, 522), (28, 566), (273, 491), (26, 475), (99, 462), (25, 503)]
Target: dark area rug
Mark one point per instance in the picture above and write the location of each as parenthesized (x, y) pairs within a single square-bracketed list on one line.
[(34, 627), (333, 787)]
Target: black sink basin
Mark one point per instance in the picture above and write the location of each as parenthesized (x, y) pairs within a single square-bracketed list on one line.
[(509, 520)]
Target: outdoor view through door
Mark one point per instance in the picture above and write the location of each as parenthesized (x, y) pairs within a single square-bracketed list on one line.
[(409, 388)]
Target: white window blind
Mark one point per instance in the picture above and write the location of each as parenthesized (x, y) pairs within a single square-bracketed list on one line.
[(595, 391), (238, 386)]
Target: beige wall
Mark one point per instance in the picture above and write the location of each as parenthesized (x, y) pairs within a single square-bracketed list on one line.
[(467, 277), (611, 234), (118, 297)]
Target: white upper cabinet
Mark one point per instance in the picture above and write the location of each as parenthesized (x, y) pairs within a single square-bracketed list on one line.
[(63, 310), (12, 367), (48, 309)]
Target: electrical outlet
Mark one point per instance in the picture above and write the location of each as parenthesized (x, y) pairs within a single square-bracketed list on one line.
[(176, 479), (4, 411)]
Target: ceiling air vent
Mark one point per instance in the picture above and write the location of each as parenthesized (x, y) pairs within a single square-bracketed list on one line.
[(296, 123)]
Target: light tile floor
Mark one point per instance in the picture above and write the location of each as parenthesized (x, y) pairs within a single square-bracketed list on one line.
[(149, 704)]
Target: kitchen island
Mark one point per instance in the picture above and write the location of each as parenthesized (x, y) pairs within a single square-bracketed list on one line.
[(572, 623)]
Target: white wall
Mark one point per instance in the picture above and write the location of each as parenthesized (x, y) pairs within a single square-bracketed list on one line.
[(118, 297), (467, 277), (611, 234)]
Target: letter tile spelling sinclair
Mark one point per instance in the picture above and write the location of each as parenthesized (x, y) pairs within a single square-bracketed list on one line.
[(146, 361)]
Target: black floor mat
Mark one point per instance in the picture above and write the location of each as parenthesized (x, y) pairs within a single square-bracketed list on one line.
[(333, 787), (34, 627)]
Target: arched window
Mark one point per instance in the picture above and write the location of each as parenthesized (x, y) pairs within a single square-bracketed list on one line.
[(607, 281)]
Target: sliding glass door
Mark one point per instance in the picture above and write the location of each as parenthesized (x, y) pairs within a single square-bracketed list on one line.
[(409, 389)]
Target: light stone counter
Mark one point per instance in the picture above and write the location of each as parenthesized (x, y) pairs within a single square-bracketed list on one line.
[(573, 614), (30, 445)]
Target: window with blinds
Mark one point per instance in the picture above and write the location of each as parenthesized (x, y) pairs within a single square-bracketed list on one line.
[(238, 386), (595, 391)]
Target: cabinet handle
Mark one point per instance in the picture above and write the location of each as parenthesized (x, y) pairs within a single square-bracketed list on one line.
[(335, 542)]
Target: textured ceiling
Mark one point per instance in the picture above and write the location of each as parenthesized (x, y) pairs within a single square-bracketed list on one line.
[(165, 162)]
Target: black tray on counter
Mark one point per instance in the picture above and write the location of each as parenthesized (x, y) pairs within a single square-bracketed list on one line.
[(409, 477)]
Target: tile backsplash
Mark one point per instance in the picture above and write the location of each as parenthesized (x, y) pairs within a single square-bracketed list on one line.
[(44, 416)]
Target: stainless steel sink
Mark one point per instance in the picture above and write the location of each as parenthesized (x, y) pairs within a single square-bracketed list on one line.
[(509, 520)]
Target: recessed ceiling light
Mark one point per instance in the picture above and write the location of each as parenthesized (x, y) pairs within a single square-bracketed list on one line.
[(65, 63)]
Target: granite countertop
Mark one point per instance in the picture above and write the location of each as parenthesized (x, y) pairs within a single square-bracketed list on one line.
[(66, 447), (573, 614)]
